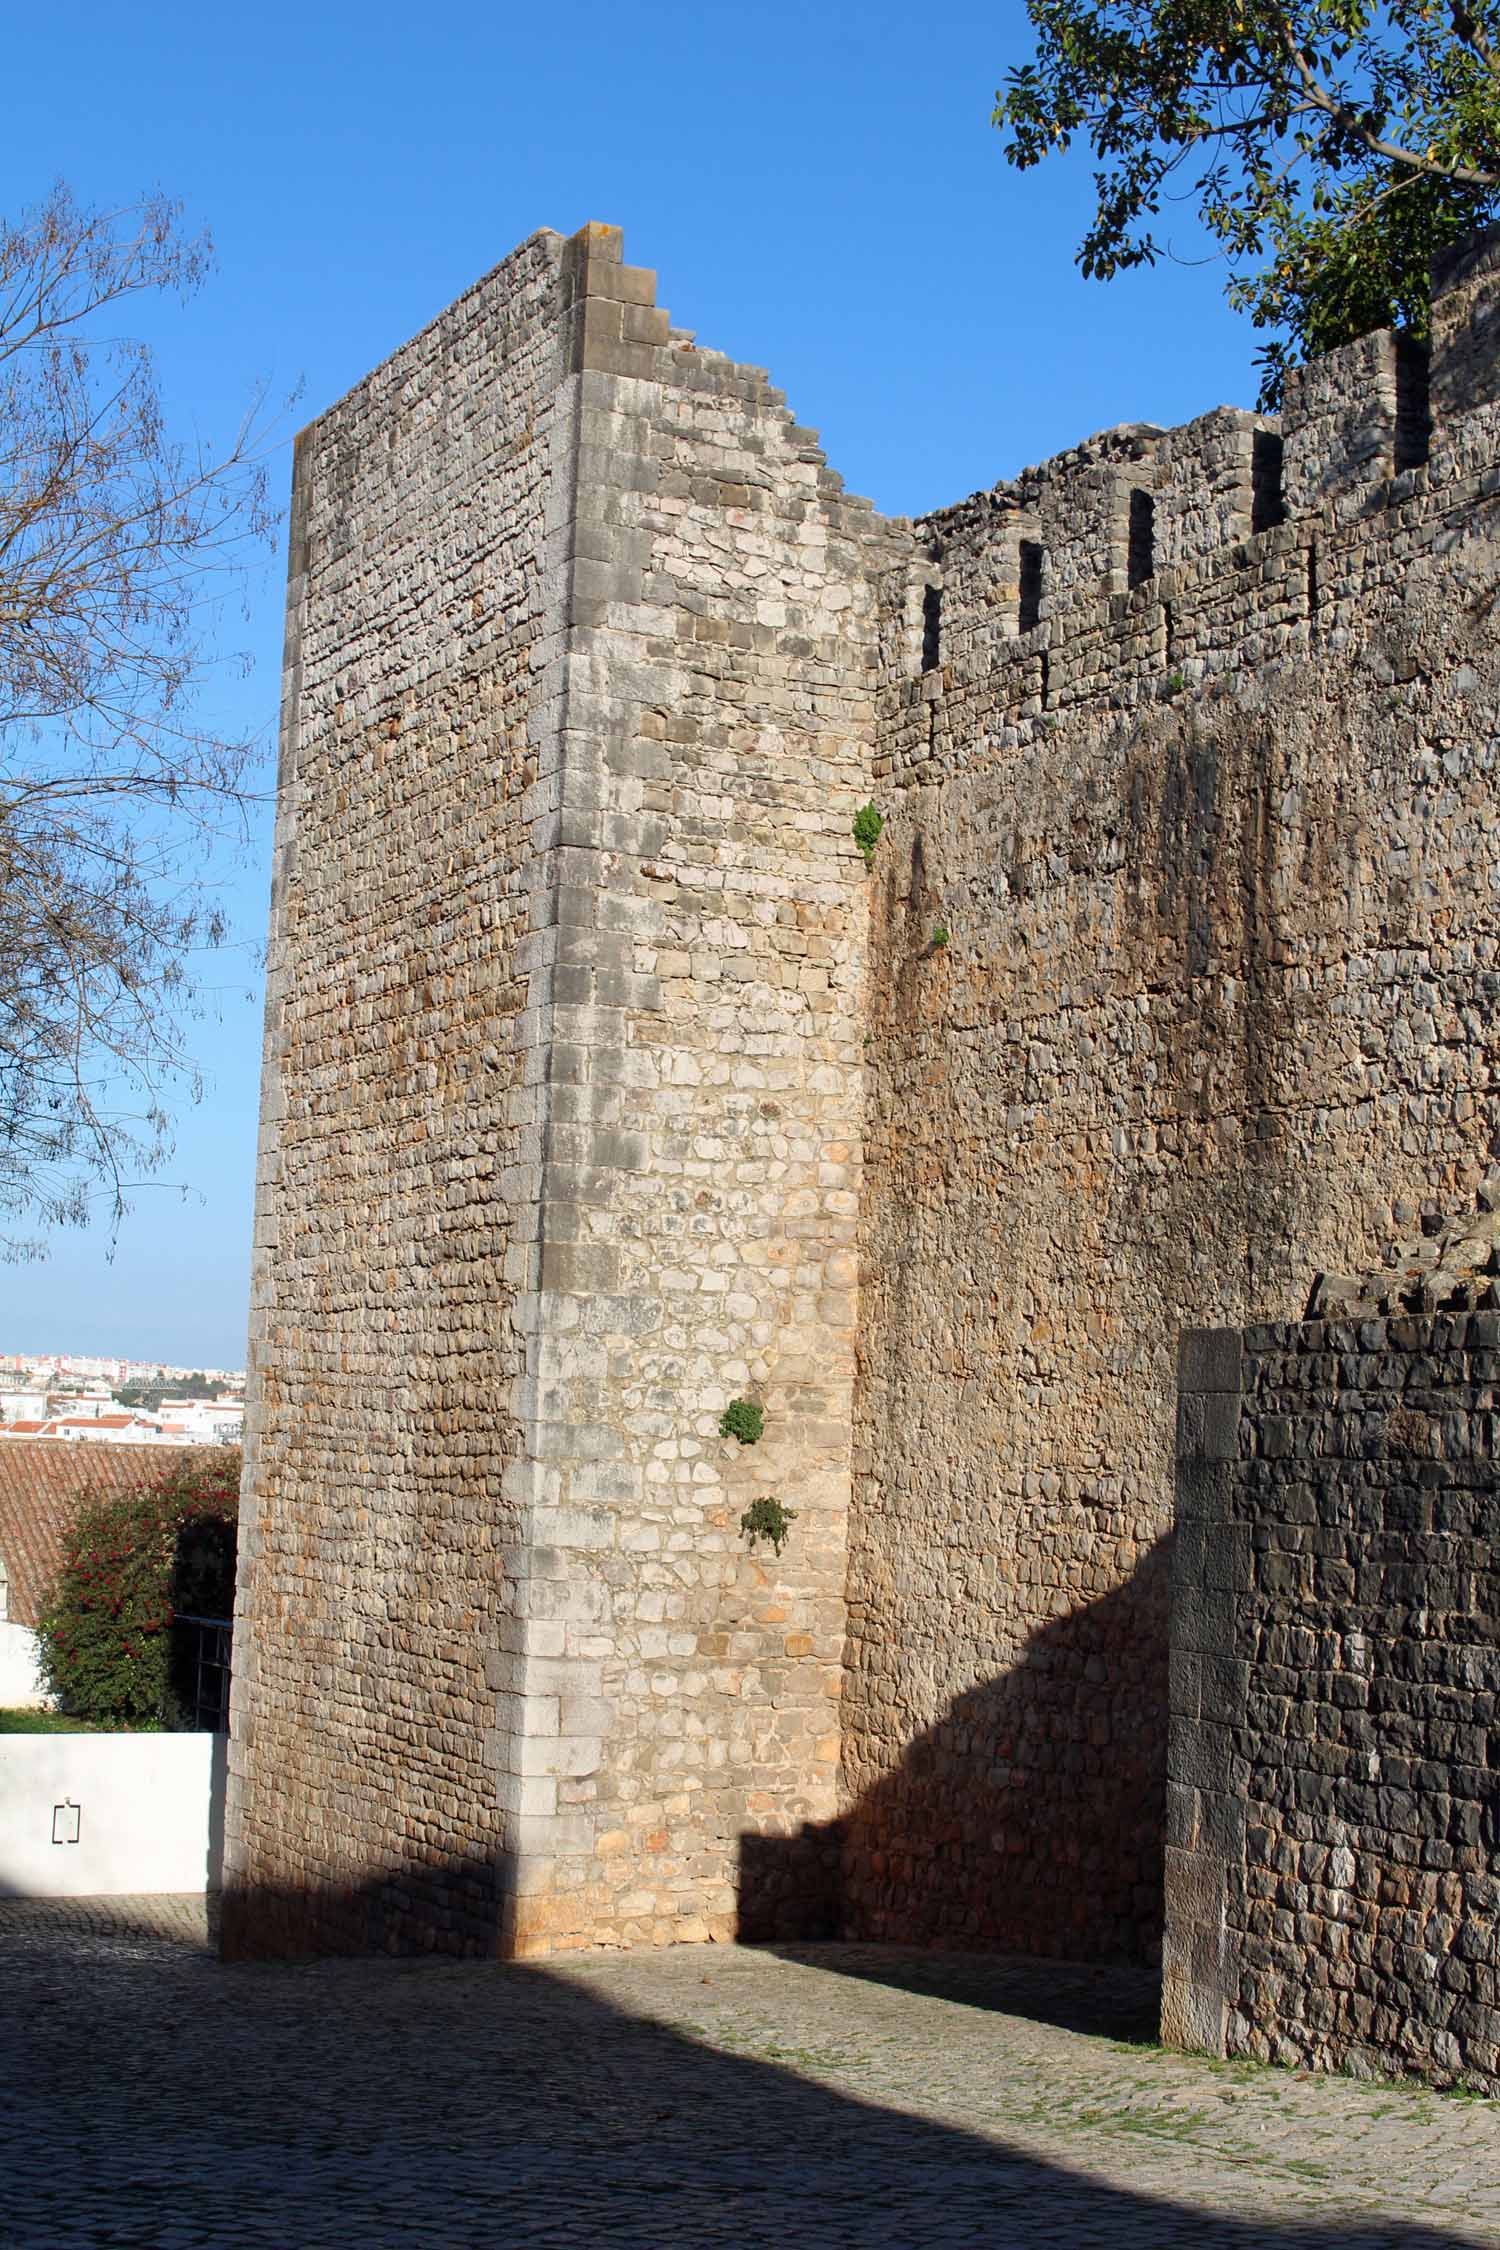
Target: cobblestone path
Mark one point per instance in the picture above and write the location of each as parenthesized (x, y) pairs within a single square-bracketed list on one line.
[(829, 2096)]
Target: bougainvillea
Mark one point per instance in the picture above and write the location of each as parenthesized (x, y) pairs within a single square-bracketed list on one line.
[(130, 1564)]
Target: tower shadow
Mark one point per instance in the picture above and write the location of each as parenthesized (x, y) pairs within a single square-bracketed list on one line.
[(442, 2102), (1028, 1821)]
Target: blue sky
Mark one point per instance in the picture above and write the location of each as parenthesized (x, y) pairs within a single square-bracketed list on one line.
[(820, 192)]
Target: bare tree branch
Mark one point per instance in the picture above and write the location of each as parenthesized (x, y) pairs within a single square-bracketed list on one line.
[(117, 546)]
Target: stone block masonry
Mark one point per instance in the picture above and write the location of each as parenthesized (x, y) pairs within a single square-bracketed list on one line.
[(603, 1086), (674, 1689), (1333, 1798)]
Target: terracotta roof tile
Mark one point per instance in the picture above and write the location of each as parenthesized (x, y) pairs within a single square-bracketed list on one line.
[(43, 1484)]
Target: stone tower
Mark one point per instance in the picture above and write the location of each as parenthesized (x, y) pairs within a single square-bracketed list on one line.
[(561, 1140)]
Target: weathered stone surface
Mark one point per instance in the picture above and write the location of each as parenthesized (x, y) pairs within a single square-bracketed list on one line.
[(604, 1086), (701, 1172), (399, 1176), (1215, 861), (1448, 1266)]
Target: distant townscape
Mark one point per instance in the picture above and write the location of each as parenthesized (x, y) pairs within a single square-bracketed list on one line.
[(119, 1401)]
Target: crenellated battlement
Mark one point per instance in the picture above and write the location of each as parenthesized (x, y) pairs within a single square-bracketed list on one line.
[(1146, 561)]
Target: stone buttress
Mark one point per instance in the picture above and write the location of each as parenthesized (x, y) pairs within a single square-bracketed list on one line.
[(1333, 1808)]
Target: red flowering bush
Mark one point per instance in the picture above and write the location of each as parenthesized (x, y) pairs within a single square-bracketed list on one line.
[(130, 1564)]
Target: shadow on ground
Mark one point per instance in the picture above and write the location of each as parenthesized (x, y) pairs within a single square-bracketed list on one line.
[(1111, 2001), (154, 2095)]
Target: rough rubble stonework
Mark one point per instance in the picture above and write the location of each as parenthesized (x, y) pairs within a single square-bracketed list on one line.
[(399, 1180), (605, 1086), (1333, 1808), (1216, 859)]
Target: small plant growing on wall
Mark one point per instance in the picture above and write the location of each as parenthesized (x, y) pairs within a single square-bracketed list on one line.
[(938, 939), (868, 823), (767, 1519), (742, 1419)]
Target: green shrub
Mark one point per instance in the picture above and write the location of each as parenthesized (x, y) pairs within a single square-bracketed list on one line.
[(742, 1419), (130, 1564), (767, 1519), (868, 822)]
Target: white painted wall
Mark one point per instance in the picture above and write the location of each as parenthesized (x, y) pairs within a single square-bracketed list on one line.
[(149, 1813), (20, 1679)]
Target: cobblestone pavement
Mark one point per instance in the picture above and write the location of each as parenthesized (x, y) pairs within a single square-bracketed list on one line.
[(821, 2097)]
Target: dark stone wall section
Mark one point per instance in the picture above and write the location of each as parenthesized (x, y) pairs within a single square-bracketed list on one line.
[(1334, 1757)]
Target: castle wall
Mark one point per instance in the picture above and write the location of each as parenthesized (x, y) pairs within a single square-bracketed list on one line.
[(398, 1176), (1215, 862), (603, 1087), (1331, 1889)]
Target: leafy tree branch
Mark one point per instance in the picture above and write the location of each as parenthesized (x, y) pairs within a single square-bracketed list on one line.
[(1330, 148)]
